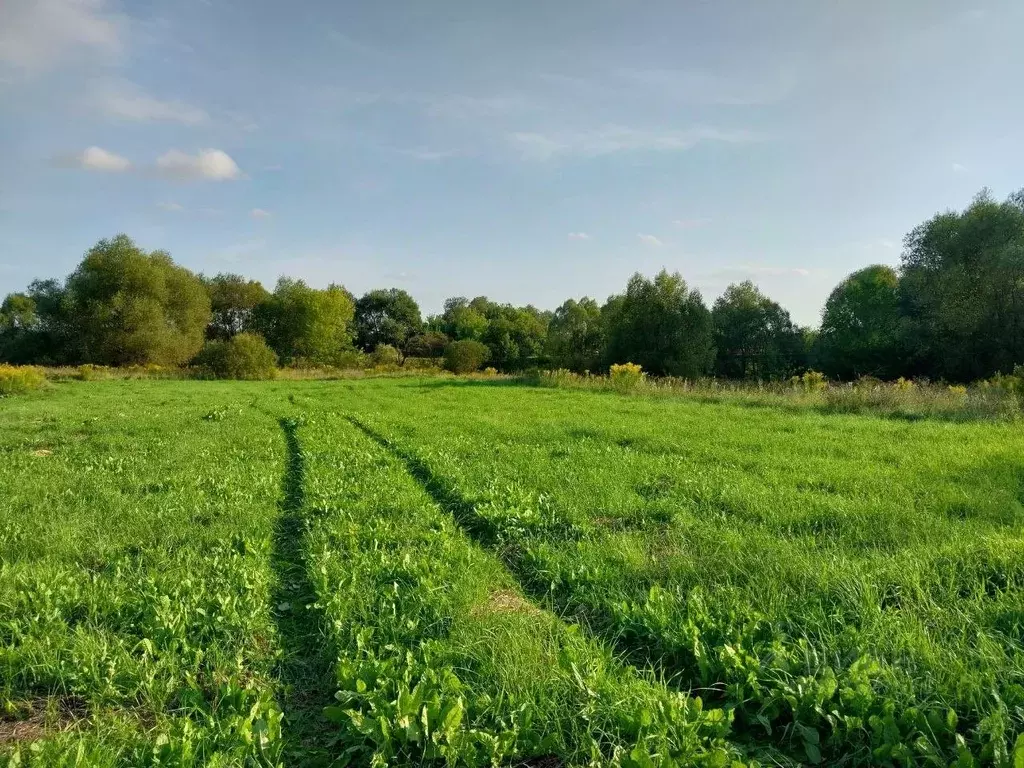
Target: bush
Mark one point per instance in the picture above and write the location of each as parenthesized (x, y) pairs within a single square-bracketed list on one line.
[(384, 356), (18, 379), (465, 356), (90, 372), (422, 363), (811, 381), (244, 356), (625, 376)]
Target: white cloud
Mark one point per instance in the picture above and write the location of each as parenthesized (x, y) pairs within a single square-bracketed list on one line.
[(957, 168), (260, 213), (650, 240), (616, 138), (579, 236), (36, 34), (96, 159), (690, 223), (174, 207), (213, 164), (124, 100)]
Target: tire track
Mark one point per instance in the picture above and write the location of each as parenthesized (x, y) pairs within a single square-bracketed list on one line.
[(306, 666)]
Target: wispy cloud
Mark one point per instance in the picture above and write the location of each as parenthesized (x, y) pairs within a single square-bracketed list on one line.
[(958, 168), (616, 138), (579, 236), (212, 164), (467, 107), (690, 223), (234, 252), (356, 47), (95, 159), (173, 207), (124, 100), (36, 34), (690, 86), (260, 213), (652, 240), (427, 154), (753, 270)]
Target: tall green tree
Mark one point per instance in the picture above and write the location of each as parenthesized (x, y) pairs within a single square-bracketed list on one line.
[(515, 337), (754, 336), (576, 335), (307, 326), (963, 290), (663, 325), (233, 299), (861, 326), (129, 306), (386, 316), (461, 321), (427, 344), (19, 323)]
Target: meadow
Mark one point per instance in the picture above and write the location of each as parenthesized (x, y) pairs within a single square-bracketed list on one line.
[(481, 572)]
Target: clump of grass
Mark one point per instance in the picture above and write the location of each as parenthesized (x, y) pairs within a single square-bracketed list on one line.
[(19, 379), (626, 377)]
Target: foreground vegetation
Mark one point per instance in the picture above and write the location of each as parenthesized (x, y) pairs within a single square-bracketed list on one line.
[(478, 572)]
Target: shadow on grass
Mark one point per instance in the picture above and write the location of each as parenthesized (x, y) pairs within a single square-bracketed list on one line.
[(450, 499), (305, 669)]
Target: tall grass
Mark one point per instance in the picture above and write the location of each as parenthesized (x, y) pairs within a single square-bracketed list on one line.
[(996, 399), (18, 379)]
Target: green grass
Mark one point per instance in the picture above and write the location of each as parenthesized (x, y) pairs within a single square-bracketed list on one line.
[(396, 571)]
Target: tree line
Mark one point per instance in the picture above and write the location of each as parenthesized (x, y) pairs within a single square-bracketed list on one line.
[(953, 310)]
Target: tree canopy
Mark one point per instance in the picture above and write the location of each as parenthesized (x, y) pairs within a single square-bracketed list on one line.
[(663, 325), (306, 325), (130, 306), (754, 336), (576, 335), (962, 290), (952, 310), (860, 326), (233, 300), (388, 316)]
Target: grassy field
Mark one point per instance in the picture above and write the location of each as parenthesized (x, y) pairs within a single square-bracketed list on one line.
[(437, 571)]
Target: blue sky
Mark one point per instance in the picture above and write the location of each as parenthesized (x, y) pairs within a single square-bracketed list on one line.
[(527, 151)]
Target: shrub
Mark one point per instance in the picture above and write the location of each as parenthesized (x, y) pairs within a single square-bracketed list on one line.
[(625, 376), (810, 381), (244, 356), (465, 356), (489, 371), (18, 379), (1012, 383), (422, 363), (90, 372), (385, 355)]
